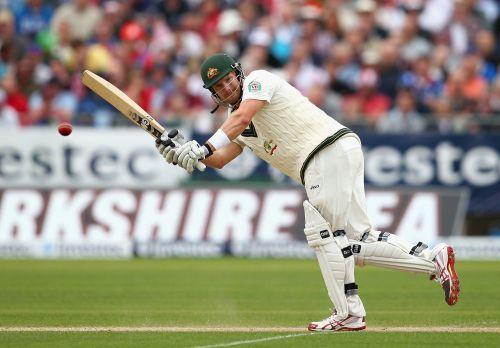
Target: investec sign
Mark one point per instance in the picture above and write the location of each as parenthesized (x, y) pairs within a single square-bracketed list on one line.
[(123, 157), (450, 161)]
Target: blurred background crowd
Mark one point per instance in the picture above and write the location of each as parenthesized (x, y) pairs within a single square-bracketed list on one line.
[(387, 65)]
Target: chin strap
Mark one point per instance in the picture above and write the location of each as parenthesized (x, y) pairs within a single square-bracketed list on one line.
[(215, 109)]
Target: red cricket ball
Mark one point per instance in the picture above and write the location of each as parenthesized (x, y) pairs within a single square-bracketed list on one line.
[(65, 128)]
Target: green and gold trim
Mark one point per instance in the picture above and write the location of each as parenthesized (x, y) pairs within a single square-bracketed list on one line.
[(328, 141), (250, 132)]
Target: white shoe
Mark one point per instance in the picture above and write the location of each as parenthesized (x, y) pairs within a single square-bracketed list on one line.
[(447, 275), (334, 323)]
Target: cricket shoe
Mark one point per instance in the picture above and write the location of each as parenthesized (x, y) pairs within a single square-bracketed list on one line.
[(447, 275), (334, 323)]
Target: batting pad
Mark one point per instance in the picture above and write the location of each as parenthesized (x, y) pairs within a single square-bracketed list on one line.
[(387, 250), (335, 261)]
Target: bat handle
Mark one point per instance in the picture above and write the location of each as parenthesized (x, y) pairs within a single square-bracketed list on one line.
[(173, 133), (201, 167)]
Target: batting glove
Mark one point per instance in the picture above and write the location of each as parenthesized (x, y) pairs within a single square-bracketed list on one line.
[(166, 148), (187, 155)]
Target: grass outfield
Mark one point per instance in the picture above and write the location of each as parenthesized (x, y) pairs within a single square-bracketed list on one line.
[(233, 293)]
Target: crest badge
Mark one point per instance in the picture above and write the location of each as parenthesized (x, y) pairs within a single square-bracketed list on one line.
[(254, 86), (212, 72), (270, 147)]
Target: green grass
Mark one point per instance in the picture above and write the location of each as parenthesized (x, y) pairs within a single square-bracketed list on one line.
[(232, 292)]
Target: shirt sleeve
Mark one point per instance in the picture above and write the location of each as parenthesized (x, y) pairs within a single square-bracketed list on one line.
[(259, 85)]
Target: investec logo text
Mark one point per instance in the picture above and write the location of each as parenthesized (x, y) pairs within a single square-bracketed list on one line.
[(75, 163), (445, 164), (89, 158)]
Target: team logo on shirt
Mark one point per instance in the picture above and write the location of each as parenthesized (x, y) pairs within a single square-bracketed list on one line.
[(212, 72), (254, 86), (270, 147)]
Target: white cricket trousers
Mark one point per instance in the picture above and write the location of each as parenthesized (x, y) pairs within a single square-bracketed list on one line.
[(335, 187), (334, 182)]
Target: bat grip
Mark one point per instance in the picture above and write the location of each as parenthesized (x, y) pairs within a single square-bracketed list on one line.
[(201, 167)]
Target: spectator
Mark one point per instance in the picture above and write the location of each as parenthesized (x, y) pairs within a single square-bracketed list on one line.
[(403, 117), (450, 121), (301, 71), (367, 24), (411, 41), (454, 91), (250, 11), (257, 52), (490, 56), (82, 17), (230, 27), (389, 16), (9, 117), (474, 86), (317, 96), (134, 51), (139, 90), (52, 104), (7, 26), (390, 69), (172, 11), (208, 14), (93, 111), (443, 116), (426, 81), (311, 19), (367, 102), (494, 100), (115, 13), (286, 32), (15, 98), (8, 44), (436, 15), (462, 28), (64, 48), (347, 68), (25, 68), (33, 17), (333, 97)]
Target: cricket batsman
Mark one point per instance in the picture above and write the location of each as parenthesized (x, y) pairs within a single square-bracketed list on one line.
[(281, 126)]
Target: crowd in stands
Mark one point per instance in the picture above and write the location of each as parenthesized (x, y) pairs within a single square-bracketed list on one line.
[(390, 65)]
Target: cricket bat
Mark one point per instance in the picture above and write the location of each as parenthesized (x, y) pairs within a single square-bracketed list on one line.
[(125, 105)]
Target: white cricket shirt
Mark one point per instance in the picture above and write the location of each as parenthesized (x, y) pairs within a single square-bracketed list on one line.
[(288, 128)]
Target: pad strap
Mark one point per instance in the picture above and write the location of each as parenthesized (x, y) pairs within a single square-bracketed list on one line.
[(417, 249), (365, 236), (346, 252), (339, 233), (351, 289), (383, 236)]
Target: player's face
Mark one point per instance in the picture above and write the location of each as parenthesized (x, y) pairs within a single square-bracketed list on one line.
[(228, 89)]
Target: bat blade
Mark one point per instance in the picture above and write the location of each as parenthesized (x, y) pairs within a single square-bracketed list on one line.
[(122, 103)]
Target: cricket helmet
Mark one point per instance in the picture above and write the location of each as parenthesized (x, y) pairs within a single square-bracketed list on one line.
[(214, 68)]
